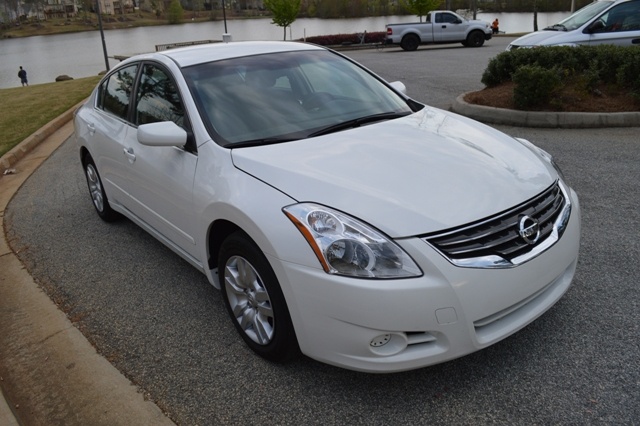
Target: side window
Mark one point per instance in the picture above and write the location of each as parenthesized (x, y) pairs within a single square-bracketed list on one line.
[(448, 18), (116, 92), (158, 98), (625, 17)]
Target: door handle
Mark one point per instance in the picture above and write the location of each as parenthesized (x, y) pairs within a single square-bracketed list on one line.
[(635, 41), (130, 155), (92, 128)]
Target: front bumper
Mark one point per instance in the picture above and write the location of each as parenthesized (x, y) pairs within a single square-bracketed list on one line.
[(397, 325)]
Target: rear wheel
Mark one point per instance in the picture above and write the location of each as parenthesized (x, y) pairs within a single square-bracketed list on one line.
[(410, 42), (96, 190), (475, 39), (254, 299)]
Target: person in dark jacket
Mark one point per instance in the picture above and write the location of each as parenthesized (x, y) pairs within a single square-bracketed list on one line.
[(23, 77)]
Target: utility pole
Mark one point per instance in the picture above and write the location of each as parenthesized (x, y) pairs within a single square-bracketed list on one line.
[(104, 45), (224, 16)]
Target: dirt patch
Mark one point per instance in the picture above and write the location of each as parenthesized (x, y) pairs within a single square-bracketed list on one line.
[(569, 99)]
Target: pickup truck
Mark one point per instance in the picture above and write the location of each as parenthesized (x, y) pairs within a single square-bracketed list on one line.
[(441, 26)]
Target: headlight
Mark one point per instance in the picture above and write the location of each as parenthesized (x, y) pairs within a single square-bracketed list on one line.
[(346, 246)]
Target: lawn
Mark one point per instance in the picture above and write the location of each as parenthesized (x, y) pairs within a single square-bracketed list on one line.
[(23, 110)]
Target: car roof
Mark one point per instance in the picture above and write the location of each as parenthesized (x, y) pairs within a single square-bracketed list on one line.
[(202, 53)]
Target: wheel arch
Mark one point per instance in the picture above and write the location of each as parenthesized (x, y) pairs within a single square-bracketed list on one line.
[(262, 232), (218, 231), (84, 153)]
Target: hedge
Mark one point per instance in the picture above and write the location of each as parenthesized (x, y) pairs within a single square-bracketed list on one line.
[(342, 39), (591, 65)]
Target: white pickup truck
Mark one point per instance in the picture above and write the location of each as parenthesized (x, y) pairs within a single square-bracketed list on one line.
[(441, 26)]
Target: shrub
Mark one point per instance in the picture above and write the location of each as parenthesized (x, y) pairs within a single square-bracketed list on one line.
[(590, 66), (340, 39), (534, 86)]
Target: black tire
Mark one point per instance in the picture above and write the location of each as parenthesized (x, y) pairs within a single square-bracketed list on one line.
[(475, 39), (96, 191), (410, 42), (254, 299)]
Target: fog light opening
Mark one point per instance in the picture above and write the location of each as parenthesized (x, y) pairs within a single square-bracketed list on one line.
[(388, 344), (380, 340)]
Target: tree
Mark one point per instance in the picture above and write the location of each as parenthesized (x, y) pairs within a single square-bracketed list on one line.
[(284, 12), (421, 7), (175, 12)]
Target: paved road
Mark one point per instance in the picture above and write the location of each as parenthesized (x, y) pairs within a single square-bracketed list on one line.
[(164, 326)]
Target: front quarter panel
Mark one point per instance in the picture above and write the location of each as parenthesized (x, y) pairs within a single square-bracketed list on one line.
[(224, 193)]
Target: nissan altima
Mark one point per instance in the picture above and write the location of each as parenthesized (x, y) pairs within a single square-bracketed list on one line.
[(340, 218)]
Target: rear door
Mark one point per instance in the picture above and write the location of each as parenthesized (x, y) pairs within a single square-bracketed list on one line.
[(108, 129)]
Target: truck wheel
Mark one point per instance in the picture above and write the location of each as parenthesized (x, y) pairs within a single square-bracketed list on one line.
[(410, 42), (475, 39)]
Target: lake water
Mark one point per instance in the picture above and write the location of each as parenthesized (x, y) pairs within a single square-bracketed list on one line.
[(80, 54)]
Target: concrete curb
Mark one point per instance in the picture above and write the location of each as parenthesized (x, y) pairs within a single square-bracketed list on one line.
[(49, 372), (569, 120)]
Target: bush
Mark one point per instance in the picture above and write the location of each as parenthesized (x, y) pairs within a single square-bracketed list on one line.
[(340, 39), (549, 67), (534, 86)]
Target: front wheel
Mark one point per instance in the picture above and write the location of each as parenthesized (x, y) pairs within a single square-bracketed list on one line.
[(254, 300), (410, 42), (475, 39)]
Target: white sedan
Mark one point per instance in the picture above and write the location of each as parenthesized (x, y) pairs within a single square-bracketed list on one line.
[(339, 217)]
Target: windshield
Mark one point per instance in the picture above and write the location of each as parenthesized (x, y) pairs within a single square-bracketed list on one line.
[(582, 16), (286, 96)]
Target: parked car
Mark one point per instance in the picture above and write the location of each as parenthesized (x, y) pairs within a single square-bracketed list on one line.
[(338, 216), (601, 22), (441, 26)]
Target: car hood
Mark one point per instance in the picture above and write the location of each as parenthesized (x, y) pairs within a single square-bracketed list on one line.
[(545, 38), (429, 171)]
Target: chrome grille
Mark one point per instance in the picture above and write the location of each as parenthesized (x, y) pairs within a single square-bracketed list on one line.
[(496, 242)]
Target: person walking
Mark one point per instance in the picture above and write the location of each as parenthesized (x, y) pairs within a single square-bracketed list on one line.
[(23, 77)]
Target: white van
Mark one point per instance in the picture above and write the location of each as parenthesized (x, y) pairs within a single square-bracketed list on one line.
[(601, 22)]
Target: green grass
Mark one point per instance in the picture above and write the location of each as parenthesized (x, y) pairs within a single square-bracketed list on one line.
[(23, 110)]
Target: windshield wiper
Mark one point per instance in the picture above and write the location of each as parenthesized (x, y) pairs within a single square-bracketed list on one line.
[(350, 124), (557, 27), (258, 142)]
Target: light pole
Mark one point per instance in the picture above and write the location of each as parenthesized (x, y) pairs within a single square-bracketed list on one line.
[(224, 16), (104, 45)]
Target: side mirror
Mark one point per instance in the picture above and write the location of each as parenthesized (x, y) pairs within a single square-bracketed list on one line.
[(595, 27), (164, 133), (457, 21), (399, 86)]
